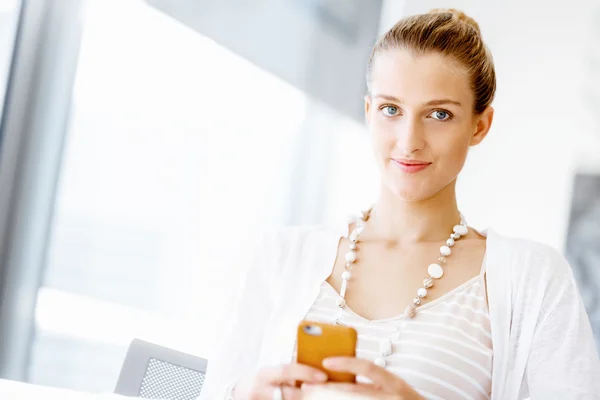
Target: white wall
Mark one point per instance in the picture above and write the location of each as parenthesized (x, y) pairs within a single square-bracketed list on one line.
[(519, 181)]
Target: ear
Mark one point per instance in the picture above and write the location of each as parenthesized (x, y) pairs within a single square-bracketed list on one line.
[(368, 109), (482, 126)]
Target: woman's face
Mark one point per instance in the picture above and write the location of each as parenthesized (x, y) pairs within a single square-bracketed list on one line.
[(421, 119)]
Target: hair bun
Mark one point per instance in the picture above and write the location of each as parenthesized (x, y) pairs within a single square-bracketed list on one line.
[(459, 15)]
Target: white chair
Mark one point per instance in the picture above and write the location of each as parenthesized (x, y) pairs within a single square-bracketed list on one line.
[(155, 372)]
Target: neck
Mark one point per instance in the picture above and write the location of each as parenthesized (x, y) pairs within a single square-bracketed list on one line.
[(397, 221)]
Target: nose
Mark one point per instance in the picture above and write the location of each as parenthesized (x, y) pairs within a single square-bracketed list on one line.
[(410, 135)]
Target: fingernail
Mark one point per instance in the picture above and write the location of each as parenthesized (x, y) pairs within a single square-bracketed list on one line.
[(307, 386), (330, 362)]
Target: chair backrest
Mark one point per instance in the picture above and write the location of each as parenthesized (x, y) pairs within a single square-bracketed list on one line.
[(155, 372)]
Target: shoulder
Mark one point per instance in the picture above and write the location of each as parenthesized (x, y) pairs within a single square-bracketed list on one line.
[(524, 250), (287, 238), (294, 243), (301, 233), (527, 260)]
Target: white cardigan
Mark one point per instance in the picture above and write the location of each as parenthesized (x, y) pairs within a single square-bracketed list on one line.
[(543, 344)]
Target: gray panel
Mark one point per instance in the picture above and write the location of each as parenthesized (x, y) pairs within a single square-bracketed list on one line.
[(150, 371), (8, 23), (164, 380), (319, 46)]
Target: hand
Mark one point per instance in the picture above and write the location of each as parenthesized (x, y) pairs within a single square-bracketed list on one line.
[(263, 385), (385, 385)]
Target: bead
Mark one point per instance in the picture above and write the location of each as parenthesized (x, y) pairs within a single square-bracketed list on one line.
[(385, 348), (427, 282), (380, 362), (461, 230), (350, 256), (435, 271)]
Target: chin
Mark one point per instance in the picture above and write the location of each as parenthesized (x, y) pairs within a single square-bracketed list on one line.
[(412, 190), (412, 194), (418, 187)]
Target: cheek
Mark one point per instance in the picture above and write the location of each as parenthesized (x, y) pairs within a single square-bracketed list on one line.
[(382, 137), (451, 149)]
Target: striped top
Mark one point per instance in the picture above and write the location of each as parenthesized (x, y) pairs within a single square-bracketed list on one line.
[(444, 352)]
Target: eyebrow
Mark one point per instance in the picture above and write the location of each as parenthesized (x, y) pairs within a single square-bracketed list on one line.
[(429, 103)]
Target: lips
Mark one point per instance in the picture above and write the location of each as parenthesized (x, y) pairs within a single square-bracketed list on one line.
[(411, 166)]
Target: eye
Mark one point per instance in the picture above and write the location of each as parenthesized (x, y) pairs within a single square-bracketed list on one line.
[(441, 115), (390, 111)]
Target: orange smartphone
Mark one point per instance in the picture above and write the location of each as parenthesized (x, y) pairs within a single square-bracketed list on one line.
[(318, 341)]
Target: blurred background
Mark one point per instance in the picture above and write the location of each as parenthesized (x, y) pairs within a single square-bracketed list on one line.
[(145, 144)]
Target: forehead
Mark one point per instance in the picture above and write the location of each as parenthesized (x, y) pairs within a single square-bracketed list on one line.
[(419, 78)]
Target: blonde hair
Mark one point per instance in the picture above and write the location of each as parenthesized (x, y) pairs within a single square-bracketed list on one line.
[(451, 33)]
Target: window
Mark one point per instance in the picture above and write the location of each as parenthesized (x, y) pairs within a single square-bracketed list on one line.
[(178, 154)]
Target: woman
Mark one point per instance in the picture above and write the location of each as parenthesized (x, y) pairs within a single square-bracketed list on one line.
[(442, 311)]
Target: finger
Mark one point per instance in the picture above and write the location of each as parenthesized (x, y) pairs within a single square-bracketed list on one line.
[(288, 392), (339, 386), (290, 373), (348, 390), (377, 375)]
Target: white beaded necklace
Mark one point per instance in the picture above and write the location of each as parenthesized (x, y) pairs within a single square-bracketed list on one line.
[(435, 272)]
